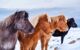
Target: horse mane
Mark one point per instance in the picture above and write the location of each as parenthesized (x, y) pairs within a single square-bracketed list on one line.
[(38, 18), (21, 14), (43, 17), (43, 24), (59, 17), (56, 19), (8, 21)]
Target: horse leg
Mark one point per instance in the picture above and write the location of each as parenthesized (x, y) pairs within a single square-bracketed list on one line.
[(62, 38), (34, 46), (43, 46), (43, 43), (46, 47), (21, 47)]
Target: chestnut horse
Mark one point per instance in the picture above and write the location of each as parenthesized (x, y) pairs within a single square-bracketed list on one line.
[(10, 26), (43, 31)]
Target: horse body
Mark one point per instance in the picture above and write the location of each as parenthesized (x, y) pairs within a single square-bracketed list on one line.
[(70, 23), (8, 29)]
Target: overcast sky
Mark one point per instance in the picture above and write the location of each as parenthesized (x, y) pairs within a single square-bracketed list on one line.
[(30, 4)]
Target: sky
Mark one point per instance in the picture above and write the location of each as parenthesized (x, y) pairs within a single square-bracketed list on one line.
[(34, 4), (67, 7)]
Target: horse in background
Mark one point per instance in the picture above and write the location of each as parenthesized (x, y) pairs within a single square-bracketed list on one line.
[(9, 27), (43, 31), (71, 23)]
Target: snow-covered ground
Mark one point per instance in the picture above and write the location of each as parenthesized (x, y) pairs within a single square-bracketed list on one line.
[(71, 41)]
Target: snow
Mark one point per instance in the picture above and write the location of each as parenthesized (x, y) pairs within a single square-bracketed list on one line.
[(17, 47), (71, 41)]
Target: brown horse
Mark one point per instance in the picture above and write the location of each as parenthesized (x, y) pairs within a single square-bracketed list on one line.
[(43, 31), (9, 27)]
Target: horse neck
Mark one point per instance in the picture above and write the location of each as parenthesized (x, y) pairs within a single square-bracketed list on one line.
[(69, 25), (37, 29)]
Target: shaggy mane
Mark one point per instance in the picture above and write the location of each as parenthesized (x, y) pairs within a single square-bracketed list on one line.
[(9, 20), (43, 17)]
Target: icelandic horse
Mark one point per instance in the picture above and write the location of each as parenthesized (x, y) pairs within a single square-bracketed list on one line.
[(10, 26)]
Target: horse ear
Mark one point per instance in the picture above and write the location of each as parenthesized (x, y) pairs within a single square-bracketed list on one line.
[(25, 14)]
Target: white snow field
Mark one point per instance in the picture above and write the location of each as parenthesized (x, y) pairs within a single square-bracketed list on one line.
[(71, 41)]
